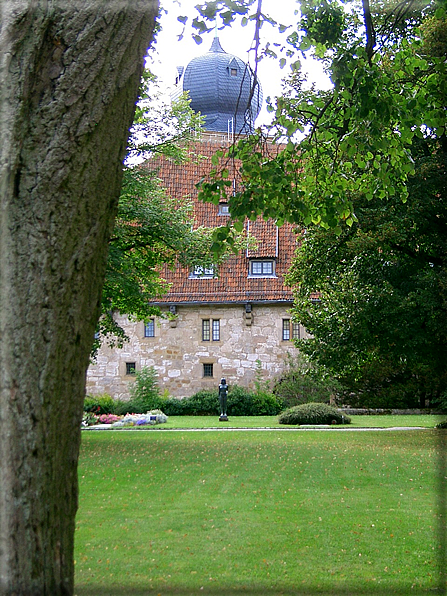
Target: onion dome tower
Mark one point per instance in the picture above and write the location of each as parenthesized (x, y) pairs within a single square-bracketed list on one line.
[(224, 89)]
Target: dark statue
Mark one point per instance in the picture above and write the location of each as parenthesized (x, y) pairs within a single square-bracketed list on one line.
[(223, 396)]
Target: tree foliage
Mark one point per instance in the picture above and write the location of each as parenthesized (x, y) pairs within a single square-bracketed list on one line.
[(344, 160), (389, 88), (152, 230), (381, 323)]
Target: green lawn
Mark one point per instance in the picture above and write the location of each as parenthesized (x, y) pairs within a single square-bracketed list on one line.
[(259, 513), (176, 422)]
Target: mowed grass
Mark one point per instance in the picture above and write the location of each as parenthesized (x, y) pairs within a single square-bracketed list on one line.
[(259, 513), (385, 421), (379, 421)]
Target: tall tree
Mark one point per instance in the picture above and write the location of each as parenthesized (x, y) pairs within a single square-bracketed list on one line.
[(380, 325), (69, 77), (388, 89)]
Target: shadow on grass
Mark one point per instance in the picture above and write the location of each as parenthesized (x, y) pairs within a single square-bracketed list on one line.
[(259, 591)]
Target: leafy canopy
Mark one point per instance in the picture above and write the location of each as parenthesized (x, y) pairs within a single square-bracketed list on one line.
[(354, 139), (380, 325)]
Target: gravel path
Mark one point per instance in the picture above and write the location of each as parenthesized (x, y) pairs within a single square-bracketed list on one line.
[(320, 428)]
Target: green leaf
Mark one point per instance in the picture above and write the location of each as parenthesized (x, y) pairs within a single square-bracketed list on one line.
[(305, 44)]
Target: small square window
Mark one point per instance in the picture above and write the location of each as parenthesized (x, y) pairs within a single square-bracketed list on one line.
[(207, 369), (233, 72), (224, 209), (149, 328), (130, 368), (262, 268)]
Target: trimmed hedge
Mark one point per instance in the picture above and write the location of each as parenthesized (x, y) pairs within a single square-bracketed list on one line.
[(99, 404), (145, 396), (313, 413), (240, 403)]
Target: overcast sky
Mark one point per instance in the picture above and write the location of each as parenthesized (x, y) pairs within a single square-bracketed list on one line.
[(170, 52)]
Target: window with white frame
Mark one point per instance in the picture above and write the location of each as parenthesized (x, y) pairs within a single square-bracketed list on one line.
[(210, 329), (224, 209), (206, 330), (262, 268), (149, 328), (290, 330)]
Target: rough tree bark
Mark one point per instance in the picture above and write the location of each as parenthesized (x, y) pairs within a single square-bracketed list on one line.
[(69, 76)]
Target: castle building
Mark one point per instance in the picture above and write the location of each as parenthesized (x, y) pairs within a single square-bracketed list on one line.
[(230, 325)]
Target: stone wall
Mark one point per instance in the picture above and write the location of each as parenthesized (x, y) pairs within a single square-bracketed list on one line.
[(179, 353)]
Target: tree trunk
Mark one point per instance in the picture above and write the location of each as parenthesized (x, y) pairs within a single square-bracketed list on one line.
[(69, 76)]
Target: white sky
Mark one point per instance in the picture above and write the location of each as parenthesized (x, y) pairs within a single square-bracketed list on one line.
[(170, 52)]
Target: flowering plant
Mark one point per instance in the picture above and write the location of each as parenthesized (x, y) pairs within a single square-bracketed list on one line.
[(150, 418), (108, 418), (89, 419)]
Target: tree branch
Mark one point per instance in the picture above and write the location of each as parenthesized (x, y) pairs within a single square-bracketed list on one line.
[(370, 32)]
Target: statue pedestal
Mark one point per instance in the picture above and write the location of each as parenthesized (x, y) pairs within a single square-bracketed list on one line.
[(223, 418)]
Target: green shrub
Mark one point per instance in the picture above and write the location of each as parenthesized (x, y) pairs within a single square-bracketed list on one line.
[(99, 404), (440, 402), (313, 413), (240, 402), (144, 394), (203, 403), (123, 407), (266, 404), (442, 424), (302, 383), (176, 407)]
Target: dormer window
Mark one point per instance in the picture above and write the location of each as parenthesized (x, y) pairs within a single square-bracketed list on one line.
[(233, 67), (200, 271), (262, 268)]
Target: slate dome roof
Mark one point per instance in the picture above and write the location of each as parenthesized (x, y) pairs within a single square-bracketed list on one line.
[(219, 86)]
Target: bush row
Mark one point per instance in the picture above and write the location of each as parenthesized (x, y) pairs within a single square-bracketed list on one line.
[(297, 385), (203, 403), (206, 403)]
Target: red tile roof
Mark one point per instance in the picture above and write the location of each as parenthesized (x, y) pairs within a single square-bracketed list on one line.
[(233, 283)]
